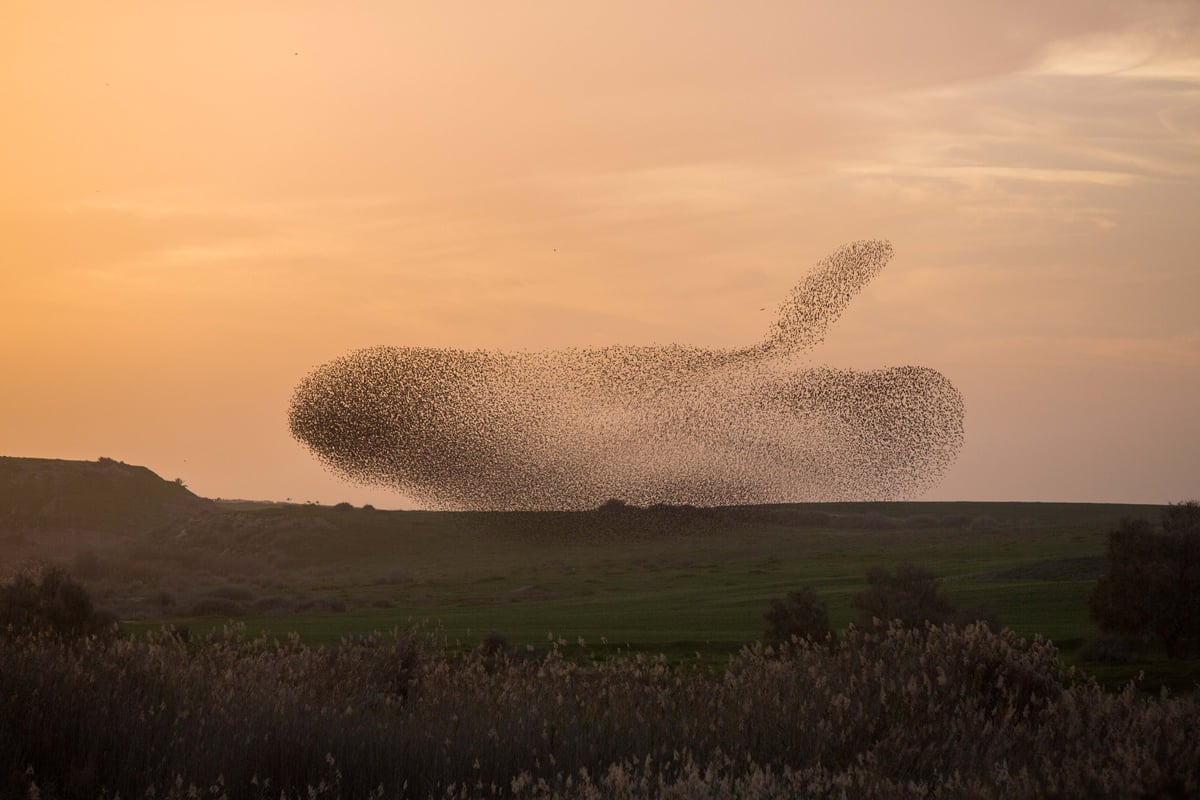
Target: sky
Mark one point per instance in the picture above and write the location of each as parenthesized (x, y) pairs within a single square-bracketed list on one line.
[(202, 202)]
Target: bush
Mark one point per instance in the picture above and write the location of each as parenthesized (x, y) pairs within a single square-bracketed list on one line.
[(912, 595), (1152, 588), (55, 603), (887, 714), (495, 643), (801, 615)]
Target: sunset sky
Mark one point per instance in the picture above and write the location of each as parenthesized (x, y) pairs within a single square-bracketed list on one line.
[(201, 202)]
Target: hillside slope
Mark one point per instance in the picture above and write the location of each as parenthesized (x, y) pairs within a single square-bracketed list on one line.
[(105, 495)]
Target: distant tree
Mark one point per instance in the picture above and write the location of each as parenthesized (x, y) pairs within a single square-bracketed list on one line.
[(911, 595), (54, 602), (801, 614), (1152, 588)]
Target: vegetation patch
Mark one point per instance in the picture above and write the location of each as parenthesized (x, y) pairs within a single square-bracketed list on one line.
[(888, 713)]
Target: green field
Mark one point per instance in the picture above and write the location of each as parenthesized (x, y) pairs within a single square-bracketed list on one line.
[(671, 580), (676, 580)]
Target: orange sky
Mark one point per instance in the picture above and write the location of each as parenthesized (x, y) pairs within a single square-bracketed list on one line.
[(201, 202)]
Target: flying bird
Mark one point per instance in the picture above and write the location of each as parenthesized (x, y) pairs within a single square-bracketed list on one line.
[(676, 424)]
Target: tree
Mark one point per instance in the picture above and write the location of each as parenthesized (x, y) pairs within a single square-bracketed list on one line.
[(801, 614), (1152, 588), (912, 595)]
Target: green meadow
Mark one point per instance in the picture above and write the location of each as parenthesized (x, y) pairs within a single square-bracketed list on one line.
[(664, 579), (687, 582)]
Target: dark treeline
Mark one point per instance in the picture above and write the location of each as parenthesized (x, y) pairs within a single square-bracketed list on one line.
[(886, 713)]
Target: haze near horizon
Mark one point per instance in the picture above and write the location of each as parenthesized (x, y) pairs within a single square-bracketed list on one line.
[(203, 203)]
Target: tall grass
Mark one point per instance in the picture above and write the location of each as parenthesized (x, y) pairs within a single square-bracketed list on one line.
[(886, 713)]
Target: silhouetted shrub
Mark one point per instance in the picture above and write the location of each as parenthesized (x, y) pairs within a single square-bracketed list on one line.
[(54, 603), (1152, 589), (912, 595), (344, 507), (495, 643), (801, 614), (1182, 518)]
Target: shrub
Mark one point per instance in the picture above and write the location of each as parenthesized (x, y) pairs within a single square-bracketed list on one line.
[(890, 713), (54, 603), (801, 615), (1152, 587), (495, 643), (912, 595)]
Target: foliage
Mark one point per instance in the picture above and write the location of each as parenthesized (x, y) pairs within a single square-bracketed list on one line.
[(911, 595), (801, 614), (885, 713), (1152, 589), (53, 603)]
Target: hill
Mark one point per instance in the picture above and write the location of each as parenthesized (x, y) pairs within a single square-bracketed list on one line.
[(103, 495)]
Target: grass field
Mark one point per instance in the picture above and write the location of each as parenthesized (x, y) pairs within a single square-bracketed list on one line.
[(677, 581)]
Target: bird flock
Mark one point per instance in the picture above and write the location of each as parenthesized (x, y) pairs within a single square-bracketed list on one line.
[(674, 424)]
